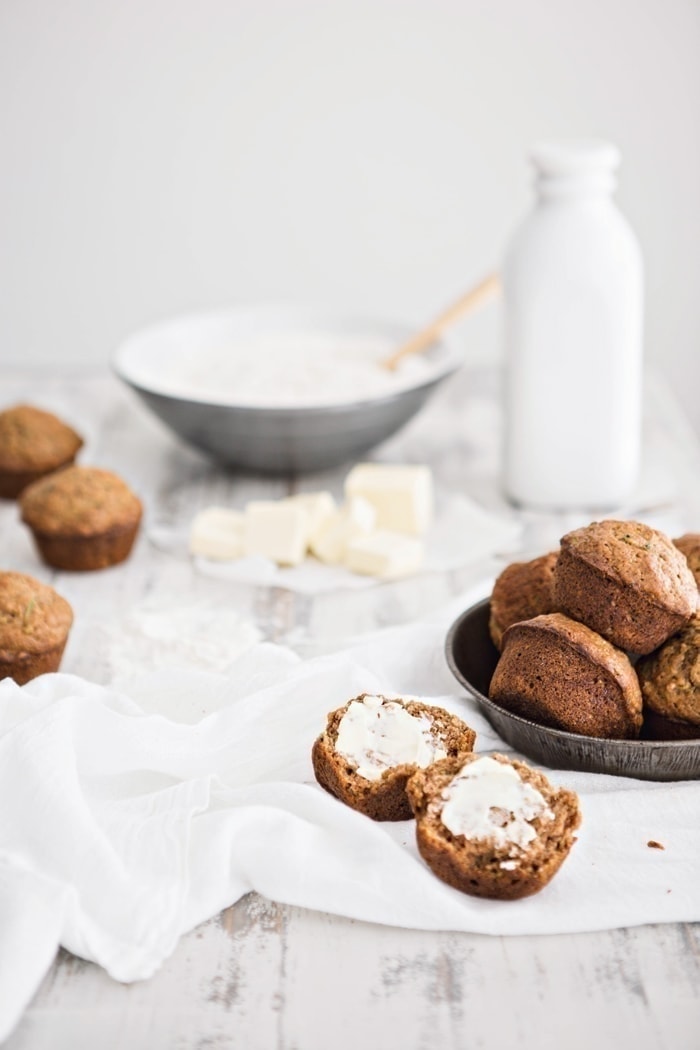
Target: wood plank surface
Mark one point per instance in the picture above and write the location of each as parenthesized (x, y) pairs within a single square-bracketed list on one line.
[(263, 976)]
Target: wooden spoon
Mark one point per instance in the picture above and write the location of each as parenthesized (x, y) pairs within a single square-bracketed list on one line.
[(471, 300)]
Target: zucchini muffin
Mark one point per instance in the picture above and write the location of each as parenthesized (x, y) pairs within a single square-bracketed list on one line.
[(689, 544), (626, 581), (492, 827), (34, 626), (33, 443), (670, 681), (523, 590), (559, 673), (82, 518), (373, 744)]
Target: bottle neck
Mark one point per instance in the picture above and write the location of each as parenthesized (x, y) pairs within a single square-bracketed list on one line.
[(576, 186), (575, 169)]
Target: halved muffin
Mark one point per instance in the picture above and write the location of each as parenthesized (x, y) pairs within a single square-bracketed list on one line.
[(492, 827), (373, 744)]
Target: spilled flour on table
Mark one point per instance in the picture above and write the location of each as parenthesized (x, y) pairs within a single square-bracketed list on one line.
[(169, 630)]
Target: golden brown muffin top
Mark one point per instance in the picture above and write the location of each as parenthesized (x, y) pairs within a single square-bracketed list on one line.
[(640, 557), (670, 676), (33, 617), (689, 544), (79, 501), (31, 439)]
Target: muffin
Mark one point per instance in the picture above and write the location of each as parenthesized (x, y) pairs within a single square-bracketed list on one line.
[(559, 673), (523, 590), (34, 626), (670, 682), (373, 744), (33, 443), (492, 827), (626, 581), (689, 544), (82, 518)]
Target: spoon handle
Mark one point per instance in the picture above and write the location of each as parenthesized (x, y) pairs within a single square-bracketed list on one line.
[(471, 300)]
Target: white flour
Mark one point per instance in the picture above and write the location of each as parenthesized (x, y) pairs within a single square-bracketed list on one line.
[(171, 630), (293, 370)]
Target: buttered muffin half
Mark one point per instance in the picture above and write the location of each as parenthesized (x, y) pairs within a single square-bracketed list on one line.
[(372, 745), (492, 827)]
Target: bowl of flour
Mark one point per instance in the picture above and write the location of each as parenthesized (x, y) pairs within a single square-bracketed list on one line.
[(280, 389)]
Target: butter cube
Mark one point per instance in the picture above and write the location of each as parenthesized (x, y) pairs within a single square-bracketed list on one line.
[(401, 495), (388, 555), (276, 529), (217, 532), (356, 518), (319, 507)]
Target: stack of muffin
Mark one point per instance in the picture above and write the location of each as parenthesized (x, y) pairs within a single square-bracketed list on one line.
[(602, 637), (81, 518)]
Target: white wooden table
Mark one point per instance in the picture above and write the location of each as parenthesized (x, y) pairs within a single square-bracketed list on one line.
[(263, 975)]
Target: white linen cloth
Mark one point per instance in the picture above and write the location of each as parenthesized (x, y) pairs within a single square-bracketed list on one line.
[(125, 820)]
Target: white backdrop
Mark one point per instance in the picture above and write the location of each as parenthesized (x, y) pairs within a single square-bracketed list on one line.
[(168, 155)]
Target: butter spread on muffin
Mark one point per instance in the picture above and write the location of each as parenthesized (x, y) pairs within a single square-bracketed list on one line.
[(492, 827), (376, 734), (34, 626), (82, 518), (487, 799), (374, 743), (33, 443), (626, 581)]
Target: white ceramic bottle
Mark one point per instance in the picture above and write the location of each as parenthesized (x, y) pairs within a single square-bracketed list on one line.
[(573, 293)]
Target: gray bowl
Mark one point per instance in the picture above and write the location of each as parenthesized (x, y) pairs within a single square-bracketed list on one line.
[(472, 658), (272, 440)]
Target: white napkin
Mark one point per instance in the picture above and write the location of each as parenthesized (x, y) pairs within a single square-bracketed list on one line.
[(128, 819), (463, 533)]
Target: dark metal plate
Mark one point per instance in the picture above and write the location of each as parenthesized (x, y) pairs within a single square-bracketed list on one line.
[(472, 658)]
